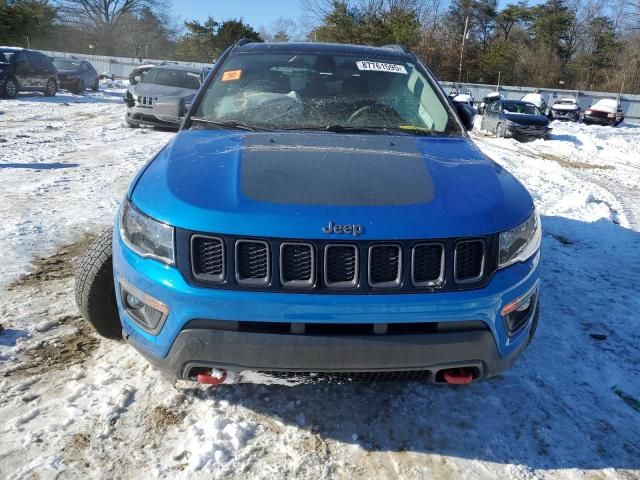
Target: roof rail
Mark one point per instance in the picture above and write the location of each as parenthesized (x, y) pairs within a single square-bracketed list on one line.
[(396, 46), (244, 41)]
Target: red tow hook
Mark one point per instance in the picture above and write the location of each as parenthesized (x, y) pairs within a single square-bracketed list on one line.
[(212, 379), (458, 376)]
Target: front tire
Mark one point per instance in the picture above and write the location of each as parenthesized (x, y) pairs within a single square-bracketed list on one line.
[(500, 131), (10, 89), (52, 88), (95, 288), (96, 85)]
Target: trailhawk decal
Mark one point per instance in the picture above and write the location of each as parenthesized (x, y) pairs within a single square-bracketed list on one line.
[(381, 67)]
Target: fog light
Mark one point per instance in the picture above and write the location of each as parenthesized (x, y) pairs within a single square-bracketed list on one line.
[(517, 313), (144, 310), (133, 301)]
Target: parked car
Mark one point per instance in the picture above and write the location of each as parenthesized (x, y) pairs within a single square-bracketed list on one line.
[(465, 98), (604, 112), (516, 119), (75, 74), (490, 98), (137, 73), (160, 81), (565, 109), (537, 99), (322, 212), (26, 70)]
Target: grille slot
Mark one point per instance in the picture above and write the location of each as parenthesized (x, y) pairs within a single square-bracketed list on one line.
[(253, 263), (297, 265), (427, 265), (385, 266), (207, 258), (341, 267), (469, 261)]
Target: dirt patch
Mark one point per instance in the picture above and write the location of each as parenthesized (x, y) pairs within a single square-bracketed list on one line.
[(562, 161), (58, 266), (58, 353), (162, 417)]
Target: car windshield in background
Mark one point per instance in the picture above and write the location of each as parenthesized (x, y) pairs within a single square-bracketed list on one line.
[(172, 78), (6, 56), (64, 64), (322, 91), (521, 107)]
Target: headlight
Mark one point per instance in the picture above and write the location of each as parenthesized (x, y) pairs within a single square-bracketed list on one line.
[(511, 123), (144, 235), (520, 243)]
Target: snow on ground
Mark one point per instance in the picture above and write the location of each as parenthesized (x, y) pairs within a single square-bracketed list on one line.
[(73, 405)]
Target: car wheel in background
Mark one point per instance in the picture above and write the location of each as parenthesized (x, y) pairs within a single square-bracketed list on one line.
[(10, 89), (500, 130), (95, 288), (79, 87), (96, 85), (52, 88)]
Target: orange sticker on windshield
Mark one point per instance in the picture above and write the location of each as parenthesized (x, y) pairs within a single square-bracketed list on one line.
[(231, 75)]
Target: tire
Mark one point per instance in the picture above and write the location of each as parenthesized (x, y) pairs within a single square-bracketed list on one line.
[(52, 88), (10, 89), (96, 85), (500, 131), (95, 289)]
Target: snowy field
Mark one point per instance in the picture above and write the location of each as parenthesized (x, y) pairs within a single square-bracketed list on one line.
[(75, 406)]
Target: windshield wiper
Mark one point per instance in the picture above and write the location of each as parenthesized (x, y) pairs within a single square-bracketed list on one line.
[(352, 129), (229, 124)]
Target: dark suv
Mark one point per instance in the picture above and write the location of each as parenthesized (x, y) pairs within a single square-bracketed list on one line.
[(76, 75), (26, 70)]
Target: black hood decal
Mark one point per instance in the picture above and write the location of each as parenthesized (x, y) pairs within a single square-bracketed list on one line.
[(330, 169)]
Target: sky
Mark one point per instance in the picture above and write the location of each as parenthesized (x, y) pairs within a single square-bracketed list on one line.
[(253, 12)]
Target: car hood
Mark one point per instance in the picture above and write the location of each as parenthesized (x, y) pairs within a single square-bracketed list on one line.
[(292, 184), (153, 90), (524, 119)]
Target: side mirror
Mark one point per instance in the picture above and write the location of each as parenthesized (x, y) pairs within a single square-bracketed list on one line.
[(169, 109), (466, 114)]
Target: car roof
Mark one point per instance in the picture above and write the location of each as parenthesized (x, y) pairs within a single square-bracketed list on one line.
[(519, 101), (392, 51), (175, 66)]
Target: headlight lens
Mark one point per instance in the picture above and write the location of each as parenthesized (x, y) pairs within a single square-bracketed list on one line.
[(520, 243), (511, 123), (146, 236)]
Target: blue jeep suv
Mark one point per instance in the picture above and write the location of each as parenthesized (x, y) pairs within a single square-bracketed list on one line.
[(321, 213)]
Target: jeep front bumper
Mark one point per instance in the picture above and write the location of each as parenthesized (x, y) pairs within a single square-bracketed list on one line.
[(203, 327)]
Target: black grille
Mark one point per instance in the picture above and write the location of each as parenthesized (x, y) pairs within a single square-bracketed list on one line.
[(252, 262), (353, 377), (428, 264), (341, 266), (384, 265), (208, 257), (357, 267), (297, 264), (469, 261)]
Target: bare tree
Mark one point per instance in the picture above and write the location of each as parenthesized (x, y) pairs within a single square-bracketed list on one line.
[(103, 12)]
